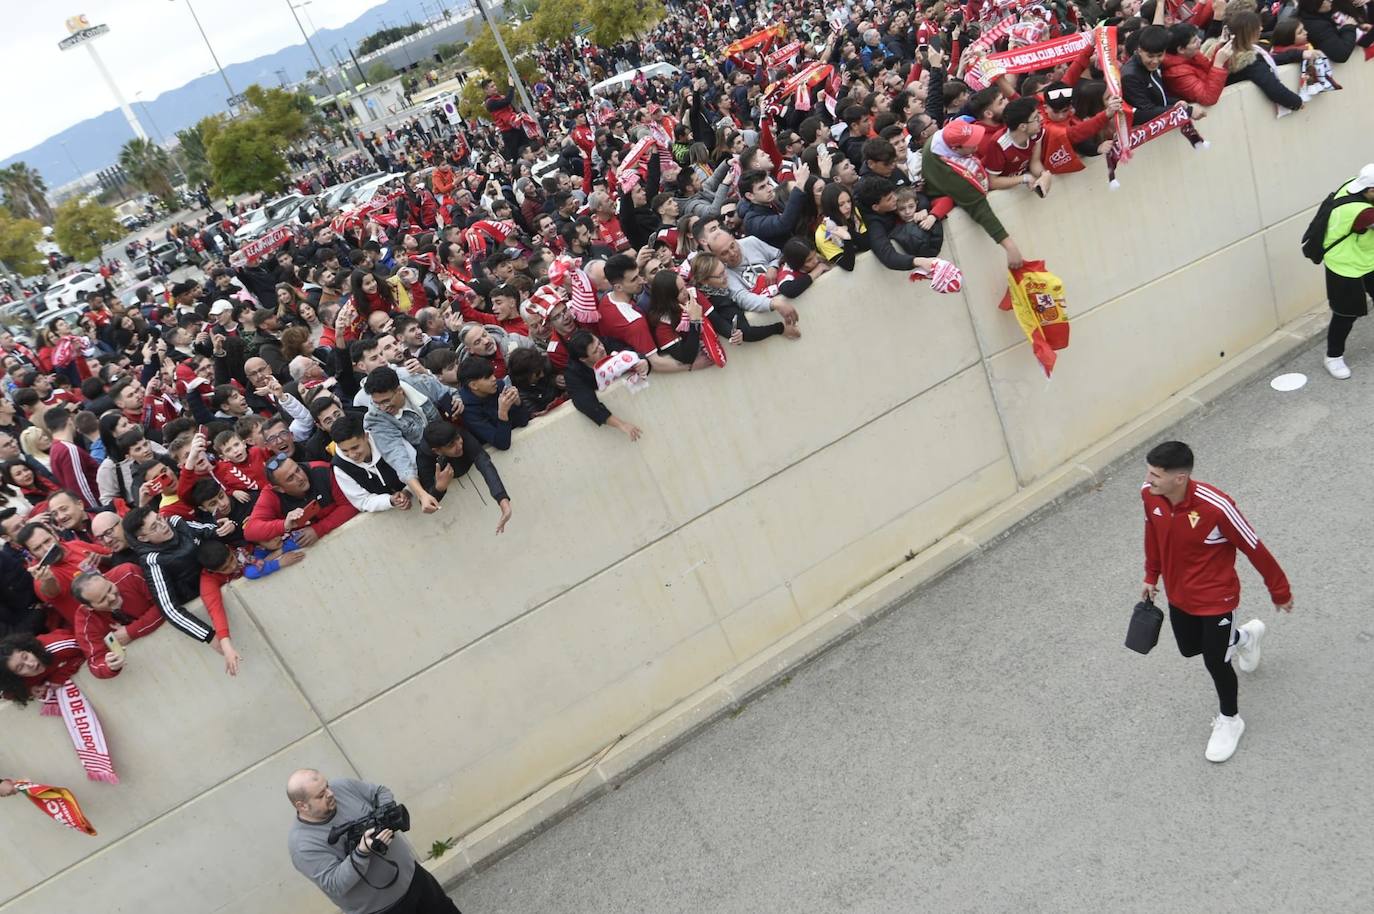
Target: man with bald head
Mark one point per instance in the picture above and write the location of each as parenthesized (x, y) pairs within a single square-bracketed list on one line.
[(380, 873), (751, 267), (108, 530)]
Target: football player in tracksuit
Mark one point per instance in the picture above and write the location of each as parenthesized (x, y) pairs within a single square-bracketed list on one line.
[(1192, 532)]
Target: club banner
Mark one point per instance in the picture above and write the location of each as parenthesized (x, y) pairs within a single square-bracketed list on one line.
[(58, 804), (360, 214), (1044, 54), (794, 87), (763, 39), (783, 56), (258, 248), (1176, 118)]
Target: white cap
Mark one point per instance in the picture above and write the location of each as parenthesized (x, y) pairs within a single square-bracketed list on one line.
[(1365, 181), (221, 306)]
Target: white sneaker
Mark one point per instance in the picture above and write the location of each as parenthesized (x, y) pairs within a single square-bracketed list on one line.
[(1337, 367), (1226, 733), (1248, 654)]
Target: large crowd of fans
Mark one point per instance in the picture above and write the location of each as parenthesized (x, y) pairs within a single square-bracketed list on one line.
[(151, 453)]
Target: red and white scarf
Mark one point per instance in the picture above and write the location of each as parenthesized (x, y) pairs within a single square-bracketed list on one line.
[(1176, 117), (709, 340), (83, 727), (1104, 47)]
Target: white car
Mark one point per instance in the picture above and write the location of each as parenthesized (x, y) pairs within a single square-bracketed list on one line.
[(366, 191), (70, 289), (621, 80), (269, 216), (332, 198)]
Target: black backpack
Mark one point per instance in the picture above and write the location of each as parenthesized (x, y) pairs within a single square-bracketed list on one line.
[(1313, 246)]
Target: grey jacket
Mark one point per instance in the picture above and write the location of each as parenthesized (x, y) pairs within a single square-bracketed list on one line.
[(398, 437), (712, 196), (741, 279), (351, 879)]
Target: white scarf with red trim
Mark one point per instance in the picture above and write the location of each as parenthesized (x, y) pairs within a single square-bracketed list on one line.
[(83, 727)]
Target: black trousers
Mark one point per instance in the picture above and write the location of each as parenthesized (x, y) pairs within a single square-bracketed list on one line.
[(1211, 637), (425, 896), (514, 140)]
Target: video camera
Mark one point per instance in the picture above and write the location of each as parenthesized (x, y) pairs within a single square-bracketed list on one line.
[(391, 815)]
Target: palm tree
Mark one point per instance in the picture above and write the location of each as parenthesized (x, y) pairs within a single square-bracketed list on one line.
[(25, 192), (149, 165)]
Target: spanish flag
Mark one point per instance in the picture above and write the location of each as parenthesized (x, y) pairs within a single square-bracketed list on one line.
[(1037, 297)]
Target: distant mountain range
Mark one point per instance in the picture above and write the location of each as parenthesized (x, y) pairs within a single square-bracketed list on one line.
[(95, 142)]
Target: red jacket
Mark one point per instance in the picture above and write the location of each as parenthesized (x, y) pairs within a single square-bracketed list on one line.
[(1193, 79), (92, 626), (268, 520), (64, 571), (66, 659), (1194, 546)]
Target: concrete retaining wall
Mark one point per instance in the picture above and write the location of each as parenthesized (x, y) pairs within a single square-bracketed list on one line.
[(641, 587)]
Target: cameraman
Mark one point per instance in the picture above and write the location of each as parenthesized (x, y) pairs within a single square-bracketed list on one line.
[(379, 875)]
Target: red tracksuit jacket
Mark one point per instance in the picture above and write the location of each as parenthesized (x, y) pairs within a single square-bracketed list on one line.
[(1194, 546)]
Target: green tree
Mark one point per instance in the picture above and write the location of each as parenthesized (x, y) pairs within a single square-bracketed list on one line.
[(285, 116), (24, 192), (612, 20), (447, 52), (555, 20), (484, 54), (195, 144), (19, 240), (380, 72), (83, 229), (244, 159), (150, 167)]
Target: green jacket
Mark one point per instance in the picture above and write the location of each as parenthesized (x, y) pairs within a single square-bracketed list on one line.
[(941, 180), (1353, 254)]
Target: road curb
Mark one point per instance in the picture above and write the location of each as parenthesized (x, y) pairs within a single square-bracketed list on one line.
[(773, 666)]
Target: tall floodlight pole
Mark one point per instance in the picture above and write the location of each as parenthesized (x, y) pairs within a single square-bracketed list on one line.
[(505, 55), (319, 64), (229, 100), (82, 33)]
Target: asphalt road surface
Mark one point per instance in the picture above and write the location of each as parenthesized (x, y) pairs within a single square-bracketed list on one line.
[(991, 746)]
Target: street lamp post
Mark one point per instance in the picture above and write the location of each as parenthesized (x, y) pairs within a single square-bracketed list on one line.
[(319, 64), (213, 56), (160, 137), (71, 158)]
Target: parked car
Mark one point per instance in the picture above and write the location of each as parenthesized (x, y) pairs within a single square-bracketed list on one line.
[(156, 299), (622, 80), (70, 289), (367, 190), (16, 313), (332, 198), (270, 215)]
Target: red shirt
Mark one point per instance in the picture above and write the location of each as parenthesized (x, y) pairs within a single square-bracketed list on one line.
[(67, 658), (1193, 545), (609, 233), (92, 625), (64, 570), (74, 469), (1004, 157), (622, 322), (268, 520)]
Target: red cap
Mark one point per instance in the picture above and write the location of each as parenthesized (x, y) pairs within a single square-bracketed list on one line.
[(963, 133)]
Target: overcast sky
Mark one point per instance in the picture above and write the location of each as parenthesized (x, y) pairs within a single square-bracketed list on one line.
[(152, 46)]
